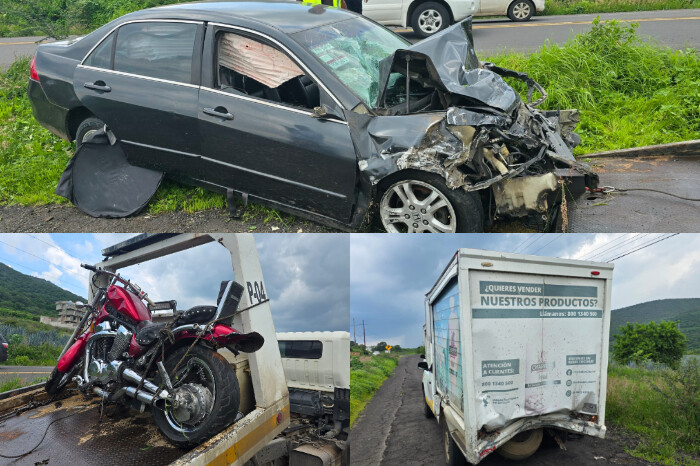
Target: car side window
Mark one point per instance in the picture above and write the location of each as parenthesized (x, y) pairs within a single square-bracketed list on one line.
[(157, 50), (101, 57), (261, 70)]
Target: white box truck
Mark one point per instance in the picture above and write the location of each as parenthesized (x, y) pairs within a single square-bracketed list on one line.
[(515, 345)]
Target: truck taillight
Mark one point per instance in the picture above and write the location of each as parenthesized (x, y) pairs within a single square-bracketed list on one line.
[(595, 273), (32, 70)]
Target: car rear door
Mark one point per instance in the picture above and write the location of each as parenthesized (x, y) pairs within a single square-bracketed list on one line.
[(258, 127), (142, 80)]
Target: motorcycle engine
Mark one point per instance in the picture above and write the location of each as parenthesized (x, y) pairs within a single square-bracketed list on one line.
[(104, 347)]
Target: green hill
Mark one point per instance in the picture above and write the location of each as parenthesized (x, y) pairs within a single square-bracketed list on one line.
[(20, 294), (686, 311)]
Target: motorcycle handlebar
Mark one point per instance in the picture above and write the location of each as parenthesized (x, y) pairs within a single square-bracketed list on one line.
[(92, 268)]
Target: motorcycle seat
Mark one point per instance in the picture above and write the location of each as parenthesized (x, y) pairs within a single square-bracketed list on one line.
[(148, 332), (198, 315)]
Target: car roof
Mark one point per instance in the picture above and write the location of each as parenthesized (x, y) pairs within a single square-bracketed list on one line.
[(288, 16)]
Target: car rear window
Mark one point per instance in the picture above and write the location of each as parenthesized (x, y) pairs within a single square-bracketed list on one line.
[(158, 50), (303, 349)]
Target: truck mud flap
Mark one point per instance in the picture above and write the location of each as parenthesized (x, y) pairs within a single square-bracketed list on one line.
[(102, 183)]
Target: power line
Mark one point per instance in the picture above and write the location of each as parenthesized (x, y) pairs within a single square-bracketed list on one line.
[(41, 258), (534, 237), (612, 244), (549, 242), (645, 246), (29, 268)]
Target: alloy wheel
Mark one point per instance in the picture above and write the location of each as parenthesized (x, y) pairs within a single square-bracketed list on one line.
[(521, 10), (412, 206), (430, 21)]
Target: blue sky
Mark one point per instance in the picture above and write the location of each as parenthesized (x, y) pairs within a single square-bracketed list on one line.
[(306, 275), (390, 274)]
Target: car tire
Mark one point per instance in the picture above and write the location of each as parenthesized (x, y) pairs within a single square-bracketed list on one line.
[(88, 127), (463, 212), (522, 445), (453, 455), (429, 18), (521, 10)]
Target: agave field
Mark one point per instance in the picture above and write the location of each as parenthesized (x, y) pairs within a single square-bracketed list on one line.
[(27, 348)]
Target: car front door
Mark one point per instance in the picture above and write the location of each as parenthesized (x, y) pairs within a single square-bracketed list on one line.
[(142, 80), (260, 135)]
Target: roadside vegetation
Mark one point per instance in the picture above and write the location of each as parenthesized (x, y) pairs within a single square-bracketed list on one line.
[(13, 384), (573, 7), (630, 94), (367, 373), (662, 407), (33, 348)]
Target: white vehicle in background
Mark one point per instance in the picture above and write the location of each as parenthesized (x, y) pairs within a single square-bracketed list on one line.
[(515, 345), (427, 17), (317, 369)]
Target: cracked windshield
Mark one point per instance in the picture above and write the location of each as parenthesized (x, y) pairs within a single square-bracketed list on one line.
[(352, 51)]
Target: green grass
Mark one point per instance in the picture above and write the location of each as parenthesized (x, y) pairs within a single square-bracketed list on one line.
[(629, 93), (366, 376), (661, 408), (22, 354), (13, 384), (564, 7)]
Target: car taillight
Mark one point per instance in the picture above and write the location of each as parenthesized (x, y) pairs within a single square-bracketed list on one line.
[(32, 70), (5, 345)]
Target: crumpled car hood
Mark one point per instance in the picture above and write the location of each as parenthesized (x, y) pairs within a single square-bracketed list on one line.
[(449, 62)]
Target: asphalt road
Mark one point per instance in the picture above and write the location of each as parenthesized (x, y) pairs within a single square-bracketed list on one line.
[(393, 430), (677, 29), (25, 373), (673, 28)]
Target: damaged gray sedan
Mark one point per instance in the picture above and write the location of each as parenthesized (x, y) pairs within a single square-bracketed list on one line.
[(312, 110)]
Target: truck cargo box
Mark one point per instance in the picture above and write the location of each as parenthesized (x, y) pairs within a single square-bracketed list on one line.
[(516, 343)]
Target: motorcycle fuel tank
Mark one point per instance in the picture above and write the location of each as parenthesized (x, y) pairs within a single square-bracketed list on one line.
[(127, 303)]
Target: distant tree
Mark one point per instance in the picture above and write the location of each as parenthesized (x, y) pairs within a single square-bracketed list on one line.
[(661, 343), (420, 350), (381, 346)]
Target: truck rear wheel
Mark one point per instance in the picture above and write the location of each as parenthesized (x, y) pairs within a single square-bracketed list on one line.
[(522, 445), (453, 455)]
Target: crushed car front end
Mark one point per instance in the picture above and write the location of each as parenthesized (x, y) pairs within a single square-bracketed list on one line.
[(442, 111)]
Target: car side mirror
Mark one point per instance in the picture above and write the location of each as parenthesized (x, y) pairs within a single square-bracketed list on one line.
[(423, 365)]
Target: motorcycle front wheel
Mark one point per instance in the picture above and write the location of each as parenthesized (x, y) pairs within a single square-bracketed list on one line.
[(208, 395)]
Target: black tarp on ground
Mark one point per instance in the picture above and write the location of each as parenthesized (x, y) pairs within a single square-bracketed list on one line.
[(100, 181)]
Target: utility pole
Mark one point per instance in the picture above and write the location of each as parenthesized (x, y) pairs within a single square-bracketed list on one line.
[(363, 333), (354, 333)]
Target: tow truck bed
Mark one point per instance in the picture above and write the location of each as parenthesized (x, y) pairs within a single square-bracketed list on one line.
[(78, 435)]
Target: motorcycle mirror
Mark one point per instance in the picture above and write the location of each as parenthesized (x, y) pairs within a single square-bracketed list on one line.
[(79, 305)]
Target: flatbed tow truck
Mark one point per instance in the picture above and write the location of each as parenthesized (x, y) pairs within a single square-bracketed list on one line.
[(78, 430)]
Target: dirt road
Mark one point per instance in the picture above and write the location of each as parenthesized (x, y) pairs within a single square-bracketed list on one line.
[(392, 430)]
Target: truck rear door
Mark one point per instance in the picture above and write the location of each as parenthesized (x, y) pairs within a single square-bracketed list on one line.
[(537, 344)]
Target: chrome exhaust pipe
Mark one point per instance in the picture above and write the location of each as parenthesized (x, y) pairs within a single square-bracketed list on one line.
[(141, 395)]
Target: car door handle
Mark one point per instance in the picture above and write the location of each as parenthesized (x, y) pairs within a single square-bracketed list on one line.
[(219, 112), (97, 86)]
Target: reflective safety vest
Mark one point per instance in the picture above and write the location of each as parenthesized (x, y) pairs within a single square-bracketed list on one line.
[(333, 3)]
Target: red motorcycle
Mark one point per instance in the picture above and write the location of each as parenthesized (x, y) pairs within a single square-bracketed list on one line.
[(120, 354)]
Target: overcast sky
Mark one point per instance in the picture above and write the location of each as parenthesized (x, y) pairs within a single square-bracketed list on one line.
[(390, 274), (306, 275)]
